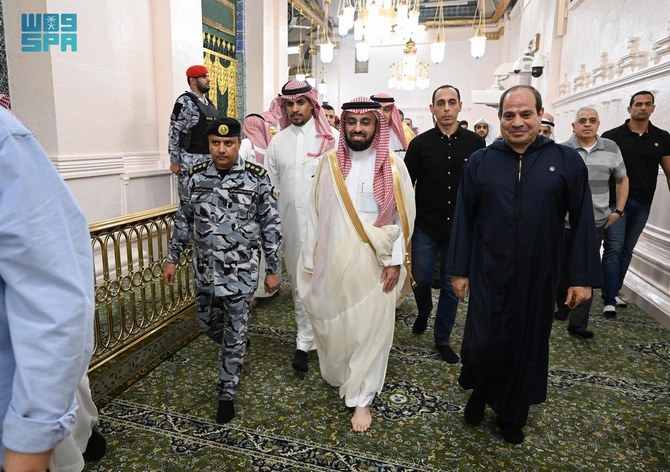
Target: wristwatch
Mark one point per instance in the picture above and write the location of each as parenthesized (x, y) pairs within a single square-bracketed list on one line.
[(618, 212)]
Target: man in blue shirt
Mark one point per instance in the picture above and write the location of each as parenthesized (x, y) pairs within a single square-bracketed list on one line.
[(46, 301)]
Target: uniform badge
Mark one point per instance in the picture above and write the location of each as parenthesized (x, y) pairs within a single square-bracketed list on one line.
[(552, 168), (223, 129), (273, 192)]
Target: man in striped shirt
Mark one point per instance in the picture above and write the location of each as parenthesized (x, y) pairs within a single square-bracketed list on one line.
[(603, 160)]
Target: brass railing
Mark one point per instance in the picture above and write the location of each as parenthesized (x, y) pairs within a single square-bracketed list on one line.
[(131, 300)]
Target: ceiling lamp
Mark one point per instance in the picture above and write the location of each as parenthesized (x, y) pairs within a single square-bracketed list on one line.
[(300, 72), (478, 41), (438, 46), (323, 87), (409, 55), (360, 24), (326, 51), (363, 50), (345, 17), (326, 47)]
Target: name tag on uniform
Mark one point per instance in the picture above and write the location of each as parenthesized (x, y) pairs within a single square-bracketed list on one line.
[(241, 190), (201, 189)]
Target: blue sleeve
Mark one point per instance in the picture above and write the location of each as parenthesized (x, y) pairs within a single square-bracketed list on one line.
[(46, 296)]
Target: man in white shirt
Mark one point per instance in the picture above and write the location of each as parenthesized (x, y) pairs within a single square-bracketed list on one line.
[(292, 160), (483, 129), (547, 125), (355, 259)]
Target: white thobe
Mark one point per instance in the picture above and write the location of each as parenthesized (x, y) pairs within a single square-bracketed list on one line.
[(291, 171), (395, 144), (360, 185), (340, 278), (248, 153)]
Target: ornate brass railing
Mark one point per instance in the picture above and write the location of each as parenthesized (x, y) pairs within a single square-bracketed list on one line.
[(132, 302)]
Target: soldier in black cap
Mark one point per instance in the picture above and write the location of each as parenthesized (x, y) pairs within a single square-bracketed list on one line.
[(229, 208)]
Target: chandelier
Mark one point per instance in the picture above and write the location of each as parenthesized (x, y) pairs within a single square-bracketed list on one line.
[(377, 22), (410, 74)]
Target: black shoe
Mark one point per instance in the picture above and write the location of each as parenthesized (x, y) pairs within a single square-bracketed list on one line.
[(561, 315), (447, 354), (609, 312), (226, 411), (620, 302), (95, 448), (300, 361), (579, 331), (248, 343), (510, 433), (420, 324), (474, 410)]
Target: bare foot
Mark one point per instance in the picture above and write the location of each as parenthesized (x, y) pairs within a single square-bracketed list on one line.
[(362, 419)]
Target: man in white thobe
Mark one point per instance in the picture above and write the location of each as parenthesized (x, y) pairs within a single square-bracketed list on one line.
[(483, 129), (257, 137), (399, 132), (355, 259), (292, 159)]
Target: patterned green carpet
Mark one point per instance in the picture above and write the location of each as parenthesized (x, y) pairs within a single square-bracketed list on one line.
[(608, 408)]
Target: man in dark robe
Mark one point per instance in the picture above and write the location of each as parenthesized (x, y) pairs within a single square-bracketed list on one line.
[(505, 253)]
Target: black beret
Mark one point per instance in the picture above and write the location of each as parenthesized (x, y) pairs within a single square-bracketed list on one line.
[(225, 128)]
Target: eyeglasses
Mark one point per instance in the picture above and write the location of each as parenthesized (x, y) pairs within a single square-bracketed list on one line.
[(365, 122)]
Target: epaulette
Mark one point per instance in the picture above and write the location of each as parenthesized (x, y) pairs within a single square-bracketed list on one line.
[(255, 169), (198, 168)]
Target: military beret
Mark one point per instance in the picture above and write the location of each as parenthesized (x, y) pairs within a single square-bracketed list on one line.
[(225, 128), (196, 71)]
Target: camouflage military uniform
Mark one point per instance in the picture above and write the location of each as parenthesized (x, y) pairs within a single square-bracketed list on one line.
[(227, 216), (185, 116)]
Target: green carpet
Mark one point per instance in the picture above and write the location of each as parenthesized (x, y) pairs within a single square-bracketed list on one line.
[(608, 407)]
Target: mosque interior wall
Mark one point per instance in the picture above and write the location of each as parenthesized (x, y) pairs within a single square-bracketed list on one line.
[(102, 112)]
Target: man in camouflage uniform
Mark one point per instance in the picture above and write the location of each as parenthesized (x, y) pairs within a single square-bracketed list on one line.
[(191, 115), (228, 209)]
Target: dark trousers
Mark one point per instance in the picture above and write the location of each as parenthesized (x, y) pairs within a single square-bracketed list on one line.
[(579, 315), (425, 251)]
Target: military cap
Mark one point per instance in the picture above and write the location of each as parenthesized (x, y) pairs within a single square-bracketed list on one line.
[(196, 71), (224, 128)]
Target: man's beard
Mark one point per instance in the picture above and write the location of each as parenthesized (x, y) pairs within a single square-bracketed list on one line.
[(358, 145), (203, 88)]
